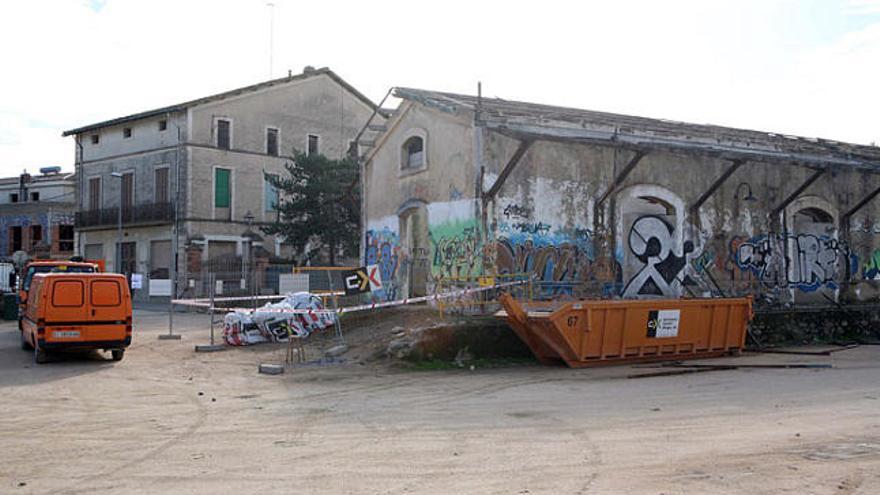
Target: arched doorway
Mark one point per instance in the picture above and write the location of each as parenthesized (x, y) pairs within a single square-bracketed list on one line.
[(413, 224), (649, 242), (817, 261)]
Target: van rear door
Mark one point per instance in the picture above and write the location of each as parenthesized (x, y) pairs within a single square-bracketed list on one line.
[(64, 310), (107, 300), (67, 301), (110, 313)]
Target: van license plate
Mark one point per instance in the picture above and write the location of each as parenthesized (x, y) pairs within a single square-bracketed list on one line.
[(66, 334)]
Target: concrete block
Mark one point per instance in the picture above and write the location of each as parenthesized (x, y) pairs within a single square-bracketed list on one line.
[(210, 347), (271, 369), (337, 350), (166, 336)]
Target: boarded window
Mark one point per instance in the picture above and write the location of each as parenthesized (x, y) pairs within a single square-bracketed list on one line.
[(94, 193), (15, 239), (272, 142), (127, 190), (129, 250), (160, 259), (221, 188), (223, 130), (270, 193), (65, 239), (106, 293), (93, 251), (313, 145), (161, 185), (221, 249), (67, 293), (413, 152)]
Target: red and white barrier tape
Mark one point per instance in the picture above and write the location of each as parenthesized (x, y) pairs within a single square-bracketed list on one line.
[(348, 309)]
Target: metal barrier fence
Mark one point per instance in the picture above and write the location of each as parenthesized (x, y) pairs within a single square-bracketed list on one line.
[(528, 290)]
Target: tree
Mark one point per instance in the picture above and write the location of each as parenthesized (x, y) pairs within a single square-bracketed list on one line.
[(319, 205)]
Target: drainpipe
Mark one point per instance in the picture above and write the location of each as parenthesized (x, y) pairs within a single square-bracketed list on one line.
[(78, 195)]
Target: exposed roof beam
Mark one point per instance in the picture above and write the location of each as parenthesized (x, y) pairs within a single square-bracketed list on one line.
[(524, 146), (621, 176), (797, 192), (858, 206), (715, 185)]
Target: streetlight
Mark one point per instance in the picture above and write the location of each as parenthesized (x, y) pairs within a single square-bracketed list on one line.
[(118, 260)]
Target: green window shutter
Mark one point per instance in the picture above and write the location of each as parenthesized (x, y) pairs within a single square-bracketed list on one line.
[(221, 188), (271, 195)]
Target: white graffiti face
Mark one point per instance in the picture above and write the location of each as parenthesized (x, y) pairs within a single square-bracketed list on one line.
[(651, 240)]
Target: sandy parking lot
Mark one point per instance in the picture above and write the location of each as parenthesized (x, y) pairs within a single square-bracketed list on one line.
[(167, 420)]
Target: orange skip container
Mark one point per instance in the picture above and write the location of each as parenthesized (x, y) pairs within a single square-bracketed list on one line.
[(601, 332)]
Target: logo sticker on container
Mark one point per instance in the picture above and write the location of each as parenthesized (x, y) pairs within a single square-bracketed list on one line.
[(663, 323)]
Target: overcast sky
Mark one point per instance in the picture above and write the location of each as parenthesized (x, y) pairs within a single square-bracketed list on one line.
[(805, 67)]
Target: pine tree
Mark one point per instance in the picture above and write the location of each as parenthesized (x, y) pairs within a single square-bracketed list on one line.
[(319, 206)]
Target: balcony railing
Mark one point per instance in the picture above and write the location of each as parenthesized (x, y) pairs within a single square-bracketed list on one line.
[(150, 213)]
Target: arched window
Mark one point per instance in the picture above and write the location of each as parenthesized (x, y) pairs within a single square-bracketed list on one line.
[(814, 215), (413, 153)]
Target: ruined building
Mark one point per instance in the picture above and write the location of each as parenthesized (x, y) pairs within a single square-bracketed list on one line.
[(603, 205)]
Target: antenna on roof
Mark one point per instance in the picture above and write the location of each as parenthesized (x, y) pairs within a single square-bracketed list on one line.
[(271, 34)]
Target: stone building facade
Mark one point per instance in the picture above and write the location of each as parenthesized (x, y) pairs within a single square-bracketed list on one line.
[(603, 205), (201, 165), (37, 214)]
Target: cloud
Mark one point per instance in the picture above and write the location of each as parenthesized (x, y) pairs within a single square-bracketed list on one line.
[(96, 5)]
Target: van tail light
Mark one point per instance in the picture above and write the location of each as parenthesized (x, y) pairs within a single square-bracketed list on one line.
[(128, 325), (41, 327)]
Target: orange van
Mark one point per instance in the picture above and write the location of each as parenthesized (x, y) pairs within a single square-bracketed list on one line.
[(49, 266), (77, 311)]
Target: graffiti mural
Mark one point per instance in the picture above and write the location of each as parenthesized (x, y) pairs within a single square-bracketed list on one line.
[(651, 241), (516, 211), (871, 270), (806, 262), (383, 249), (559, 259), (458, 249)]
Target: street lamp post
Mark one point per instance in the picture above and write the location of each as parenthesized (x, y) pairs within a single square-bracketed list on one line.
[(249, 235), (118, 260)]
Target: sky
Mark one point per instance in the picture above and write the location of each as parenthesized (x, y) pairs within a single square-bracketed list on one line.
[(805, 67)]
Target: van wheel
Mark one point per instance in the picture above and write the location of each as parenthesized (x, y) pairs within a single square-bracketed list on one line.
[(40, 356), (25, 345), (117, 354)]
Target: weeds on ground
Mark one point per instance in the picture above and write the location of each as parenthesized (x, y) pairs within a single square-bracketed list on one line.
[(477, 363)]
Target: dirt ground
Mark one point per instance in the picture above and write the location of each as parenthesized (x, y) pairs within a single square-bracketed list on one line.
[(167, 420)]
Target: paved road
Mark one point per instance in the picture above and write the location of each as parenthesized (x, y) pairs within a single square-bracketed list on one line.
[(166, 420)]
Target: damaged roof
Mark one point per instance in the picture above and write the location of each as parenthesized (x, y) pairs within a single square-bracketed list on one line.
[(227, 94), (534, 121)]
